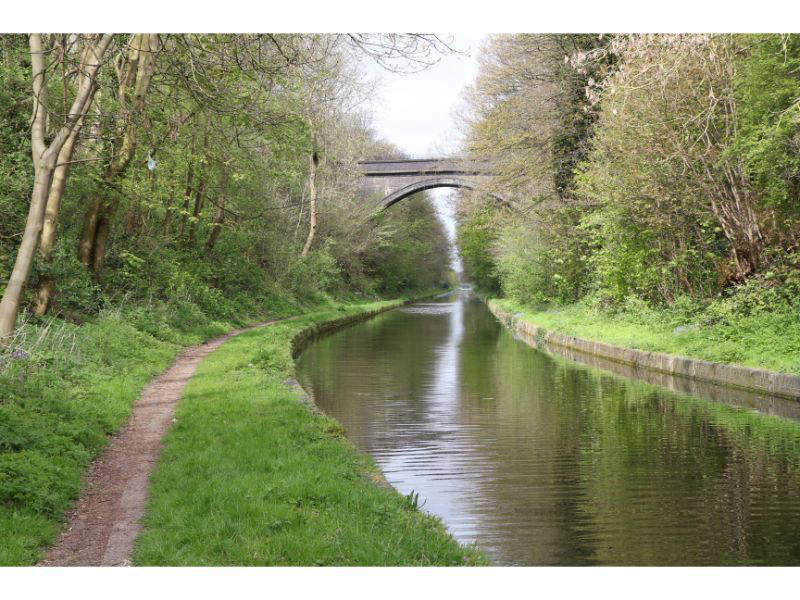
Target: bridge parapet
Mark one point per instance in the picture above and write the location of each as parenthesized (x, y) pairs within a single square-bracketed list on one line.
[(423, 166), (393, 180)]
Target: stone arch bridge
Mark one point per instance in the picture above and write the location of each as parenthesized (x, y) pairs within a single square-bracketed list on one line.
[(392, 180)]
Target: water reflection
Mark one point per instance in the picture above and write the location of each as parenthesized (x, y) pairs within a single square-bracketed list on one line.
[(544, 461)]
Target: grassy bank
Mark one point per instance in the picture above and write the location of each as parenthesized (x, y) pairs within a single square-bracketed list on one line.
[(63, 388), (66, 385), (250, 476), (762, 339)]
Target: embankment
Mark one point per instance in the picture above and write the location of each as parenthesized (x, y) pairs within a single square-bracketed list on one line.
[(642, 364)]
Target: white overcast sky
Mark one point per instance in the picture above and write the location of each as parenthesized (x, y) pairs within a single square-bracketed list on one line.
[(415, 112)]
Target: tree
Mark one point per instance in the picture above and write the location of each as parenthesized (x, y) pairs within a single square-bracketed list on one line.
[(249, 131), (135, 66), (676, 175), (45, 158), (527, 114)]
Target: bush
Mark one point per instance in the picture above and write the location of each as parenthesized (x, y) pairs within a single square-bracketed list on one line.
[(477, 236), (312, 277)]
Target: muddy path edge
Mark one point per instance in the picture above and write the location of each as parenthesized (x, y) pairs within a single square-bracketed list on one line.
[(103, 524)]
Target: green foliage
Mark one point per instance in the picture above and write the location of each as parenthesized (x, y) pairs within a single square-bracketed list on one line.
[(65, 387), (231, 147), (546, 261), (311, 278), (756, 325), (652, 229), (78, 293), (575, 120), (63, 390), (768, 137), (237, 153), (413, 251), (476, 239), (16, 167), (674, 162), (693, 153)]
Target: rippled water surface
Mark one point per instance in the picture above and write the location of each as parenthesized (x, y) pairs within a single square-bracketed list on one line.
[(543, 461)]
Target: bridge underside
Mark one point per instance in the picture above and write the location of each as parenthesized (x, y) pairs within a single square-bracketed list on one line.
[(388, 182), (422, 185)]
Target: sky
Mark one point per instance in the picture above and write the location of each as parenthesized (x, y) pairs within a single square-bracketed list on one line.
[(415, 112)]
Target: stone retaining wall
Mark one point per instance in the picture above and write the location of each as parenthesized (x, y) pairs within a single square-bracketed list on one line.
[(307, 335), (304, 337), (760, 381)]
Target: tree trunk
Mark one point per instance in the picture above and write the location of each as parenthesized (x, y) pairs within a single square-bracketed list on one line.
[(167, 228), (58, 184), (187, 196), (198, 207), (132, 220), (312, 200), (44, 162), (9, 307), (103, 229), (134, 82), (86, 243), (216, 228)]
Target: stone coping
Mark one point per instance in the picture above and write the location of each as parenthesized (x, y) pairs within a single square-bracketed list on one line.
[(759, 381)]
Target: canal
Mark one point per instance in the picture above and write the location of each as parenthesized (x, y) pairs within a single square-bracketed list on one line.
[(543, 461)]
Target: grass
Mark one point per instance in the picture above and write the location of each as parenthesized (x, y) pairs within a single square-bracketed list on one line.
[(63, 389), (766, 340), (250, 476)]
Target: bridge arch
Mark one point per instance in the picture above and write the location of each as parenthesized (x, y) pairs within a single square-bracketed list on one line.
[(428, 184)]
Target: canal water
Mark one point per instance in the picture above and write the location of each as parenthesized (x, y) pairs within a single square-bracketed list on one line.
[(543, 461)]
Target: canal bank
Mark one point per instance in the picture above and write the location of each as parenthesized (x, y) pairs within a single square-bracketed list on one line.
[(542, 461), (250, 476), (748, 379)]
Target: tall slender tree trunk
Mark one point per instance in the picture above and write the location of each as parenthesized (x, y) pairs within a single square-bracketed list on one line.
[(9, 306), (132, 220), (90, 219), (198, 185), (46, 288), (199, 197), (101, 239), (219, 219), (299, 213), (187, 196), (312, 200), (216, 228), (134, 82), (45, 158)]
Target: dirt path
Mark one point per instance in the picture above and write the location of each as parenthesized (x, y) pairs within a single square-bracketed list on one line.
[(103, 525)]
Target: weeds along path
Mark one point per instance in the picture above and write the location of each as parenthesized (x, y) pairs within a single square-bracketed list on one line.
[(103, 525)]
